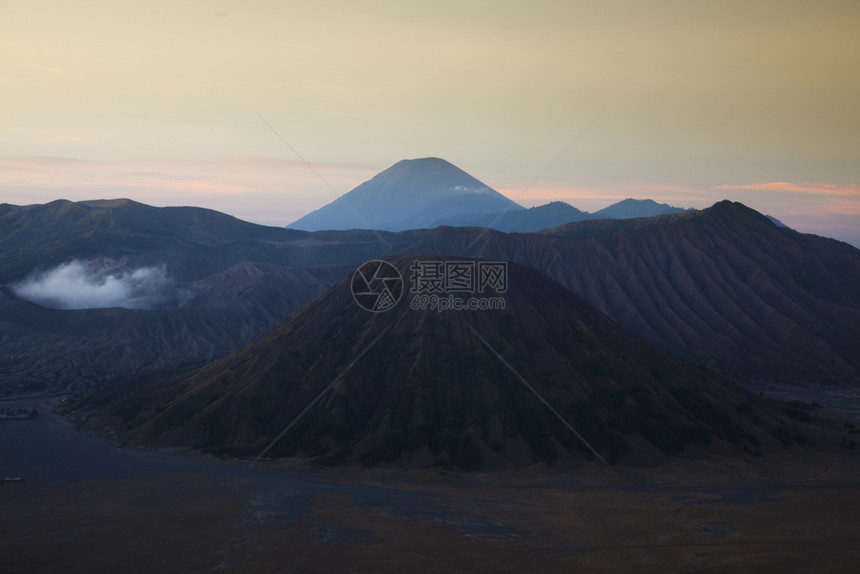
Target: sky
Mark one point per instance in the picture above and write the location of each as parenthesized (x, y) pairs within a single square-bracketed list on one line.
[(267, 110)]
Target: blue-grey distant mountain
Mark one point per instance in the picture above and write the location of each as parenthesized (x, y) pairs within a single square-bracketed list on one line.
[(411, 194), (523, 221), (556, 214), (631, 208)]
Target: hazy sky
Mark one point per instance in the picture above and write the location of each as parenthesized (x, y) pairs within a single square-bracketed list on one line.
[(755, 101)]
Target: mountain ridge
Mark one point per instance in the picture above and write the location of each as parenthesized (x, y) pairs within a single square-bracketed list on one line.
[(723, 285), (730, 290), (559, 213), (237, 279), (418, 388), (529, 220)]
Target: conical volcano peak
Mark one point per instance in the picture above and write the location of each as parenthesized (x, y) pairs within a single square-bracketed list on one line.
[(424, 162), (538, 375), (416, 179), (412, 193), (431, 168)]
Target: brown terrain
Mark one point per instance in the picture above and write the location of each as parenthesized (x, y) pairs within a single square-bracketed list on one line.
[(723, 286), (87, 506), (702, 475), (76, 350), (230, 282), (422, 387)]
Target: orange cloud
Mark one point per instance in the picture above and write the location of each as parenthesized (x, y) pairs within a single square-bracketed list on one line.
[(851, 190), (191, 187)]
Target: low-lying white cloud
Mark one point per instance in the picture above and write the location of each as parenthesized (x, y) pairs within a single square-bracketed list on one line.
[(97, 284)]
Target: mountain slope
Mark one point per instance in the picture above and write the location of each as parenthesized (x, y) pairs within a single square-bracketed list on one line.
[(77, 350), (411, 194), (522, 221), (193, 242), (724, 286), (422, 387), (43, 235), (226, 282), (558, 213)]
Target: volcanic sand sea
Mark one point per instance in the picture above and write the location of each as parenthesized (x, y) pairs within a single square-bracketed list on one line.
[(87, 505)]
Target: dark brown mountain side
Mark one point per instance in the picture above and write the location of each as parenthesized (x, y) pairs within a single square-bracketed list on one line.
[(225, 283), (193, 243), (723, 286), (418, 388), (76, 350)]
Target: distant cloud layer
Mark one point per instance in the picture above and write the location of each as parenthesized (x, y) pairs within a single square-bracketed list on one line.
[(814, 188), (100, 283)]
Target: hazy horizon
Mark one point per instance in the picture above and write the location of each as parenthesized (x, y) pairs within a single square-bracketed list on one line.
[(583, 102)]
